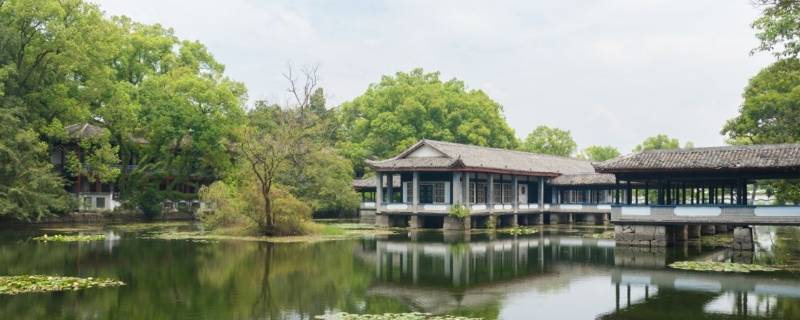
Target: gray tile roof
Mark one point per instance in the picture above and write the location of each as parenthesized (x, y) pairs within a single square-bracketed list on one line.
[(757, 157), (490, 159), (83, 130), (369, 183), (584, 179)]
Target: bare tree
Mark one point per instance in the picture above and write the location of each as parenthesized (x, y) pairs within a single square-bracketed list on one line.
[(302, 92)]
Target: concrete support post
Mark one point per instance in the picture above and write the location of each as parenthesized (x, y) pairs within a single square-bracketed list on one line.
[(457, 195), (414, 221), (378, 191), (467, 191), (640, 235), (742, 238), (382, 220), (721, 228), (515, 193), (490, 196), (708, 229), (682, 233), (415, 191), (541, 200), (694, 231)]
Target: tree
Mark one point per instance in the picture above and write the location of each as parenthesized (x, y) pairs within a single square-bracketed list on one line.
[(658, 142), (29, 187), (548, 140), (778, 28), (770, 112), (599, 153), (399, 110)]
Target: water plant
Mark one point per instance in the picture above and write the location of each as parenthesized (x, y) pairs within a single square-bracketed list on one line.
[(720, 266), (70, 238), (391, 316), (518, 231), (12, 285), (459, 211)]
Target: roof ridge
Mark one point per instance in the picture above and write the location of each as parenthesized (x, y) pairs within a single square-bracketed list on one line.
[(508, 150), (728, 147)]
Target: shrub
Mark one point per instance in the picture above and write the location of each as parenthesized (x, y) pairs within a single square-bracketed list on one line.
[(459, 211)]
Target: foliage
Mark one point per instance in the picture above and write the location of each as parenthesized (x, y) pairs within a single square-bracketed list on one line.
[(548, 140), (323, 181), (226, 206), (658, 142), (29, 187), (12, 285), (771, 114), (719, 266), (459, 211), (599, 153), (399, 110), (391, 316), (778, 29), (70, 238)]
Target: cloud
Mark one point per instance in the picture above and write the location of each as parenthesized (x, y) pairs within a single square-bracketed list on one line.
[(612, 72)]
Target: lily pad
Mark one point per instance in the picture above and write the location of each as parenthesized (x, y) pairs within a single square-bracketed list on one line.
[(392, 316), (70, 238), (12, 285), (518, 231), (720, 266)]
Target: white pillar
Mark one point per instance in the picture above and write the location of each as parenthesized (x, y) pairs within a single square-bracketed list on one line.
[(378, 191), (541, 193), (415, 191), (515, 192), (490, 196), (457, 195), (467, 191)]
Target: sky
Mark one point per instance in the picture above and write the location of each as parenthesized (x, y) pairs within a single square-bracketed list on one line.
[(612, 72)]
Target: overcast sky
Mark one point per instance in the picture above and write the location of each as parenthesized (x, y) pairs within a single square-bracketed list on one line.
[(611, 72)]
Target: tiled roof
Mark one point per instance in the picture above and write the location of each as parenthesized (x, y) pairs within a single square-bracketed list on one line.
[(83, 130), (584, 179), (457, 155), (776, 156), (369, 182)]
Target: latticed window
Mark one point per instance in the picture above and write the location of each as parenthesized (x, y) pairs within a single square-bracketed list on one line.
[(438, 192), (409, 192), (508, 197), (497, 193), (480, 192)]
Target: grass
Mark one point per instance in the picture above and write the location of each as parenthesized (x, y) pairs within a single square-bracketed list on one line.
[(70, 238), (12, 285), (323, 232), (720, 266), (391, 316)]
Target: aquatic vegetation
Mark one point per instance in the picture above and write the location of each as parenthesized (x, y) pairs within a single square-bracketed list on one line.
[(392, 316), (518, 231), (717, 240), (720, 266), (70, 238), (603, 235), (38, 283)]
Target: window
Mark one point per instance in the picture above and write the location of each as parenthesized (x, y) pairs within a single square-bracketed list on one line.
[(497, 193), (100, 202), (438, 192), (480, 193), (508, 197), (87, 202), (409, 187)]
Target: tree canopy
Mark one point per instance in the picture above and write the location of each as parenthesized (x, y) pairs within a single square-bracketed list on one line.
[(770, 112), (778, 28), (549, 140), (658, 142), (599, 153), (402, 109)]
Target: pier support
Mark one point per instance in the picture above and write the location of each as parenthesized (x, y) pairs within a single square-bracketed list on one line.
[(382, 220), (414, 221), (454, 223), (640, 235), (721, 228), (742, 238), (708, 229), (694, 232)]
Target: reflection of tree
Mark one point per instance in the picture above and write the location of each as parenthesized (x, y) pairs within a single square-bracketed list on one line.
[(785, 249), (181, 279)]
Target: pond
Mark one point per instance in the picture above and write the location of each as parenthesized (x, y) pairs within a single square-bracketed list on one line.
[(557, 273)]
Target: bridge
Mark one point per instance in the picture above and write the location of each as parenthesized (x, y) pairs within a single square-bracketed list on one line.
[(666, 196)]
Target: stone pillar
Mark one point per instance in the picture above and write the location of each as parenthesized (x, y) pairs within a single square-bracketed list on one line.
[(382, 220), (554, 218), (708, 229), (721, 228), (454, 223), (378, 192), (515, 197), (682, 233), (414, 192), (490, 194), (742, 238), (457, 195), (640, 235), (541, 201), (467, 191), (694, 231), (414, 221), (515, 220)]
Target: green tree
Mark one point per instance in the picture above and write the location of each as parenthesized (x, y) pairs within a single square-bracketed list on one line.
[(778, 28), (399, 110), (770, 112), (29, 187), (548, 140), (658, 142), (599, 153)]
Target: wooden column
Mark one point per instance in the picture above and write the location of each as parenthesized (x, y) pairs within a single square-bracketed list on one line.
[(628, 193), (378, 191), (390, 187)]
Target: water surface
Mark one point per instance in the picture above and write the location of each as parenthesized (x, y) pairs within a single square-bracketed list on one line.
[(555, 274)]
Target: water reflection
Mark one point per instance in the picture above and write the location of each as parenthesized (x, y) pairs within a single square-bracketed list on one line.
[(552, 274)]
